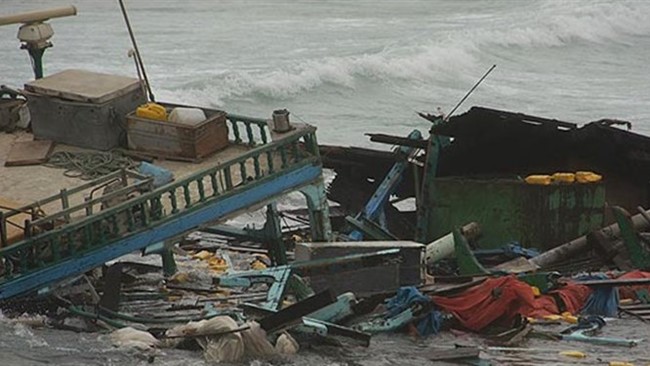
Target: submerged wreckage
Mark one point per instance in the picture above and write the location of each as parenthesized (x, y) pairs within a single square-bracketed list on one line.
[(489, 190)]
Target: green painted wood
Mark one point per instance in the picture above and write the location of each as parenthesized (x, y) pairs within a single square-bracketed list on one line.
[(536, 216), (142, 213)]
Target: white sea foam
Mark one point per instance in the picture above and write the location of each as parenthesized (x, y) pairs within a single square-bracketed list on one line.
[(560, 24), (436, 56)]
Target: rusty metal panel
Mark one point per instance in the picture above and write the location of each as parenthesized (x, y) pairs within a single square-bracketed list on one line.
[(365, 281), (535, 215), (176, 140)]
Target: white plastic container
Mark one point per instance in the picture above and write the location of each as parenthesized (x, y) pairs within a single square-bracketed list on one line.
[(187, 116)]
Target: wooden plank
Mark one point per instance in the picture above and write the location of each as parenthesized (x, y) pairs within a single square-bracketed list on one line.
[(397, 140), (29, 153), (112, 288), (459, 353), (293, 313)]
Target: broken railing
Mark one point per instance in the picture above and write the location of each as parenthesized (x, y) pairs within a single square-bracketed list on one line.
[(129, 182), (248, 130), (167, 203)]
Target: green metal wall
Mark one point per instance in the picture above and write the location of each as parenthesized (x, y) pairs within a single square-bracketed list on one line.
[(536, 216)]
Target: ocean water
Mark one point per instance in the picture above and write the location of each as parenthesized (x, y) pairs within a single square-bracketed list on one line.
[(351, 67)]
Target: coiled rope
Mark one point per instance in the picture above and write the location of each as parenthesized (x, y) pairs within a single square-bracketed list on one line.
[(89, 165)]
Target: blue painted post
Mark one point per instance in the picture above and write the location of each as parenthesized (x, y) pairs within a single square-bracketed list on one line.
[(373, 211)]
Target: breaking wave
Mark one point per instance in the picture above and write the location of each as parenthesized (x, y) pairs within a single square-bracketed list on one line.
[(564, 23), (436, 57)]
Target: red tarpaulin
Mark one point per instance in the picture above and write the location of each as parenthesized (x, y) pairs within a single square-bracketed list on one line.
[(628, 292), (495, 300), (499, 300)]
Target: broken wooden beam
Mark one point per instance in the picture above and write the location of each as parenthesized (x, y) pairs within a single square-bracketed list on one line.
[(397, 140), (292, 314)]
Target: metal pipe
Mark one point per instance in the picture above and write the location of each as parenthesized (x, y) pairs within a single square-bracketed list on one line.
[(580, 244), (445, 247), (38, 15)]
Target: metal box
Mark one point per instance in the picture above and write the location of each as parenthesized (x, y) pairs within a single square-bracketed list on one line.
[(83, 108), (181, 141), (366, 281)]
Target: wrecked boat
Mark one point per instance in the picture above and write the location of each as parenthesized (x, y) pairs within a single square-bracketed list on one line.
[(488, 186)]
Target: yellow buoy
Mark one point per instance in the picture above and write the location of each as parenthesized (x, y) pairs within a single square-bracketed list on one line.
[(152, 111)]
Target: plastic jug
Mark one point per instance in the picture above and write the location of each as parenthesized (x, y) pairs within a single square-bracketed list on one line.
[(152, 111), (566, 178), (588, 177), (188, 116), (543, 180)]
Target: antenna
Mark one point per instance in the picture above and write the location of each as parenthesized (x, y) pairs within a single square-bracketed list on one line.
[(138, 59), (470, 91), (35, 33)]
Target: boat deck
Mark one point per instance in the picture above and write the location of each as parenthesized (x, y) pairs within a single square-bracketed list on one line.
[(24, 185), (71, 231)]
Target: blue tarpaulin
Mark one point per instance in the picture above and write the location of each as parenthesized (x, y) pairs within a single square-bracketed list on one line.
[(407, 297), (603, 300)]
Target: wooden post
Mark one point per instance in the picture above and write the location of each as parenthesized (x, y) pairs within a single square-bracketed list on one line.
[(28, 229), (65, 203), (3, 230), (125, 178), (89, 207)]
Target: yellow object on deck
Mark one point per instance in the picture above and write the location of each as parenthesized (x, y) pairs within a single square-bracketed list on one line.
[(203, 255), (571, 319), (588, 177), (215, 262), (620, 363), (552, 317), (258, 265), (626, 302), (152, 111), (536, 291), (574, 354), (543, 180), (563, 178)]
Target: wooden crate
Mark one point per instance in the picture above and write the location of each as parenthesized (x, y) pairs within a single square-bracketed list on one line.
[(178, 141)]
